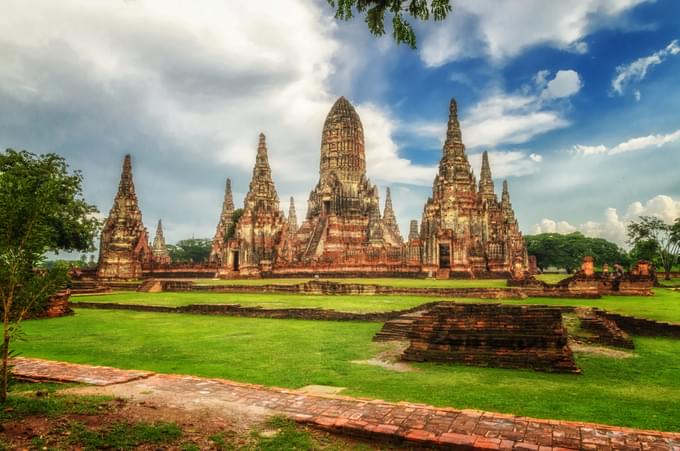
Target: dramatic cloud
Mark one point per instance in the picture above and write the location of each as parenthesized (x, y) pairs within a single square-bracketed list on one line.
[(502, 119), (185, 88), (632, 145), (612, 226), (502, 30), (636, 71)]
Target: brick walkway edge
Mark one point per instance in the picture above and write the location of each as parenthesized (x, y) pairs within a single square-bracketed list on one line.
[(413, 424)]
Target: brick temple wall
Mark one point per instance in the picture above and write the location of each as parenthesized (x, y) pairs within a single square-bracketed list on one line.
[(492, 335), (329, 288)]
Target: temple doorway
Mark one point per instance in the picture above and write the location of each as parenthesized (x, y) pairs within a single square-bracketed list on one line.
[(235, 261), (444, 256), (326, 207)]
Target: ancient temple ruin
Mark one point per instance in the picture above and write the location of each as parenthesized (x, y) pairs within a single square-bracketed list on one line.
[(253, 248), (124, 244), (161, 256), (464, 229), (219, 240)]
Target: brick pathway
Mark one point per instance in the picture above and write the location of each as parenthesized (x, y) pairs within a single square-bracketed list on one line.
[(414, 424), (50, 370)]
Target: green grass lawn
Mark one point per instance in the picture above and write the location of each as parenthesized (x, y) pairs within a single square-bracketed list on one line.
[(420, 283), (664, 305), (552, 278), (348, 303), (642, 391)]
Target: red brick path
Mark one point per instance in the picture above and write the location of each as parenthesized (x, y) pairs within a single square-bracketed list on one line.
[(416, 424)]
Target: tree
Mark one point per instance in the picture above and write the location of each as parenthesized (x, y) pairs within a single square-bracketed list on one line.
[(41, 210), (192, 250), (665, 236), (567, 251), (235, 218), (375, 10)]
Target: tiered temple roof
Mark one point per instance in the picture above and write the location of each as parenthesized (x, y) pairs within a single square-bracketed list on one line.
[(161, 255), (124, 244), (218, 242)]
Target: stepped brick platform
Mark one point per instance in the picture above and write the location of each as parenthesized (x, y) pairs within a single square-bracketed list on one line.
[(605, 331), (416, 425), (505, 336)]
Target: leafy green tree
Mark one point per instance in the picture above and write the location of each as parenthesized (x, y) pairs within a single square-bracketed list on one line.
[(567, 250), (192, 250), (235, 217), (375, 10), (41, 210), (645, 250), (665, 236)]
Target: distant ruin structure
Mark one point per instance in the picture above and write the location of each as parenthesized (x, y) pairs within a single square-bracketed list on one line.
[(219, 240), (124, 244), (161, 255)]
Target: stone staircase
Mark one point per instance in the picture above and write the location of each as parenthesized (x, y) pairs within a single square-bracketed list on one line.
[(317, 235), (399, 328)]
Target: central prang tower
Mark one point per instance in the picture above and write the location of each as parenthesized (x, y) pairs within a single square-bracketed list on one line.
[(343, 213)]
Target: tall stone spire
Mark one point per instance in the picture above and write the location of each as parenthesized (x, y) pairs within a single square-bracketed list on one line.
[(453, 146), (506, 206), (223, 224), (262, 193), (160, 250), (454, 165), (390, 220), (413, 230), (292, 217), (486, 188), (124, 240)]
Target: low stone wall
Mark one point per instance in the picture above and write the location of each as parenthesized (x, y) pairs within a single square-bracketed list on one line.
[(324, 287), (640, 326), (604, 330), (582, 286), (316, 314), (492, 335)]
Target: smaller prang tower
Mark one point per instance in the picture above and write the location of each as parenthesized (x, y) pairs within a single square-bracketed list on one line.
[(124, 244)]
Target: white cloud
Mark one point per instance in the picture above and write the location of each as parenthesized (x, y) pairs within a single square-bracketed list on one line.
[(536, 157), (612, 226), (631, 145), (513, 163), (636, 71), (502, 30), (503, 118), (383, 162), (565, 84)]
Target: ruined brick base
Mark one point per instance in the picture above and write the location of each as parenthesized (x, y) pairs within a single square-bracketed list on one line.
[(497, 335)]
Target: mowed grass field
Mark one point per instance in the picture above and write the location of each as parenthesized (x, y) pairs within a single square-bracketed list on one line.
[(642, 391), (663, 306)]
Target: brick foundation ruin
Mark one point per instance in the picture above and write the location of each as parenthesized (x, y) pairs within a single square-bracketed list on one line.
[(492, 335)]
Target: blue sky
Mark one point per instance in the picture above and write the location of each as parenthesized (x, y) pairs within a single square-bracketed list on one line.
[(577, 101)]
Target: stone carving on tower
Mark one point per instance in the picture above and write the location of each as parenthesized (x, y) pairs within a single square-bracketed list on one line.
[(161, 256), (124, 244), (466, 230), (259, 230), (218, 243)]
